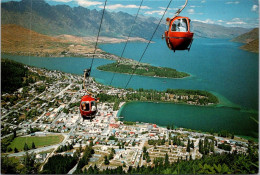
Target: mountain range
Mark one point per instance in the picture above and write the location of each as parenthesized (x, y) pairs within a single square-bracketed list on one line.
[(43, 18)]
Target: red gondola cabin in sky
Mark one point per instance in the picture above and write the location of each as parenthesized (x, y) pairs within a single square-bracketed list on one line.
[(178, 37), (88, 107)]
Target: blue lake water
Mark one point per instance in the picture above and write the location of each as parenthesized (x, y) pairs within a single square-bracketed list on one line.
[(194, 117), (216, 65)]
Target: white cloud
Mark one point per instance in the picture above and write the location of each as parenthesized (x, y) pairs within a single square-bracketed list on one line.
[(220, 21), (116, 6), (83, 3), (203, 1), (63, 0), (163, 8), (194, 6), (235, 21), (232, 2), (254, 8), (191, 11), (207, 21), (87, 3), (159, 12)]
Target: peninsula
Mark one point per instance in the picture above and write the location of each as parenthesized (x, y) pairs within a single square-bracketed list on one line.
[(131, 67)]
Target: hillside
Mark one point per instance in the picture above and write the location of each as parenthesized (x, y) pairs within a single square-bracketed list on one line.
[(79, 21), (18, 40), (247, 37), (251, 39)]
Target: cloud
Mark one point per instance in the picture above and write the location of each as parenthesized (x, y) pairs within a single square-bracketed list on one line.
[(163, 8), (63, 0), (194, 6), (116, 6), (83, 3), (87, 3), (203, 1), (191, 11), (159, 12), (236, 21), (207, 21), (232, 2), (254, 8)]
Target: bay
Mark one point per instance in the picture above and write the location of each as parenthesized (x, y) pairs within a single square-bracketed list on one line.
[(213, 119)]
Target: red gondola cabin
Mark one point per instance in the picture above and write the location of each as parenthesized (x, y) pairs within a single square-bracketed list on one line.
[(88, 107), (179, 37)]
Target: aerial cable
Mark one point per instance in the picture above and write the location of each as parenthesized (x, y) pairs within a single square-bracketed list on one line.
[(127, 40), (87, 72), (98, 36), (148, 44)]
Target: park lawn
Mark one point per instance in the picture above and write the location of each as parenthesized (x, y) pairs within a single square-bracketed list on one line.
[(19, 142)]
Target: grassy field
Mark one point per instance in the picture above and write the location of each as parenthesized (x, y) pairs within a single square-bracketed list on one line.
[(38, 141)]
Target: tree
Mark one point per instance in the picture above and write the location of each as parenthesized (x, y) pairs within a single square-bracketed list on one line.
[(168, 127), (172, 127), (30, 165), (14, 132), (33, 145), (188, 146), (166, 160), (15, 150), (8, 166), (111, 155), (192, 144), (25, 147), (106, 161)]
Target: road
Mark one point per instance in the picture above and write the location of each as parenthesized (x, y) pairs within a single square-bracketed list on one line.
[(22, 106)]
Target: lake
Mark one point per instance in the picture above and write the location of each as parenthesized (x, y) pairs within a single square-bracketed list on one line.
[(216, 65), (193, 117)]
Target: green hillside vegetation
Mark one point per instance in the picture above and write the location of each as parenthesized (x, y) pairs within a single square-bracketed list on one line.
[(145, 70), (59, 164), (248, 36), (198, 96), (252, 46), (251, 39), (12, 76)]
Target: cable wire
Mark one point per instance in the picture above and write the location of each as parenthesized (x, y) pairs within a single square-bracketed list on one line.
[(127, 39), (98, 36), (148, 44)]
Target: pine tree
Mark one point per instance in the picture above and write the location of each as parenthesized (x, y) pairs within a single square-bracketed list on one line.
[(106, 161), (192, 144), (166, 160), (25, 147), (33, 145), (188, 146)]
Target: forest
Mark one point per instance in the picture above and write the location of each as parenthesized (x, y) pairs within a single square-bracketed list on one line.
[(12, 76), (145, 70)]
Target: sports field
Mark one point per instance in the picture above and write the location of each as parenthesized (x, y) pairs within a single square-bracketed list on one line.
[(38, 141)]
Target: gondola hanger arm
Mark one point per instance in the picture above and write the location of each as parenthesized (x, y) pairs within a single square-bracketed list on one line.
[(179, 10)]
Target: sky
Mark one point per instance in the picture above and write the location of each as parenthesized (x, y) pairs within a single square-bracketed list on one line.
[(230, 13)]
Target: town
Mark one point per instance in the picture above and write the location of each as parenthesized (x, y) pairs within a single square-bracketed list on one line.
[(45, 120)]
